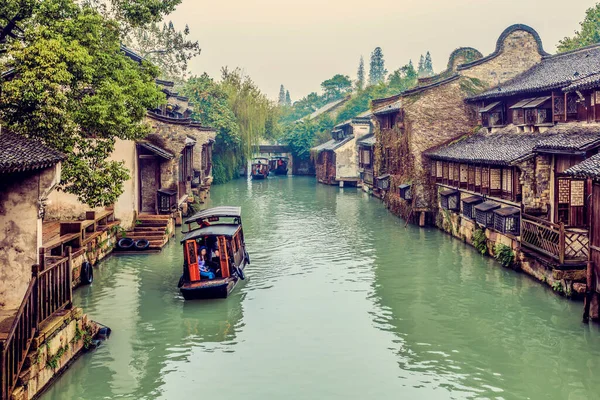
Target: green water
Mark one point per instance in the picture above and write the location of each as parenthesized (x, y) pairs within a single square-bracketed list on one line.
[(341, 302)]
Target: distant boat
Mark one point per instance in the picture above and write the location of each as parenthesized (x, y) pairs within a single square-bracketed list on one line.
[(260, 168), (218, 231), (279, 165)]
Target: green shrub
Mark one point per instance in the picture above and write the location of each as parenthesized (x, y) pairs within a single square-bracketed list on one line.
[(504, 254), (480, 241)]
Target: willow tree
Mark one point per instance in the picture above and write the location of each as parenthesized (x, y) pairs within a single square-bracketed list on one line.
[(250, 106)]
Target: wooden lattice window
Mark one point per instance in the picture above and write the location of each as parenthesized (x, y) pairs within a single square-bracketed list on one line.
[(507, 183), (456, 174), (577, 193), (495, 179), (451, 172), (518, 116), (485, 180), (464, 175), (471, 179), (433, 169), (571, 103), (445, 172), (558, 108), (477, 178)]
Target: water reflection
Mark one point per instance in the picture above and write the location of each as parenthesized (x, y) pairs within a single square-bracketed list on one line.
[(341, 301)]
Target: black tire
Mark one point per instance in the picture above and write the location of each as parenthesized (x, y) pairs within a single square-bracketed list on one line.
[(247, 257), (181, 281), (142, 244), (87, 273), (125, 244)]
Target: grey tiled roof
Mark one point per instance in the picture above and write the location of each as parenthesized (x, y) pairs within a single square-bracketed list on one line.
[(589, 168), (18, 153), (396, 106), (159, 151), (570, 137), (589, 82), (326, 108), (508, 146), (496, 149), (331, 145), (552, 72), (367, 140)]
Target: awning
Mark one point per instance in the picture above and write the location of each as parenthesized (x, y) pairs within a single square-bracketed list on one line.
[(448, 192), (157, 150), (382, 177), (404, 186), (522, 103), (487, 206), (473, 200), (507, 211), (367, 141), (490, 107), (189, 141), (537, 102)]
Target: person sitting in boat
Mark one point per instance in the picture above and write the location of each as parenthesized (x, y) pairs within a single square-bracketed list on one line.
[(202, 264)]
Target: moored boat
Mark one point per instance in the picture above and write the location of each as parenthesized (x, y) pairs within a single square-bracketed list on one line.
[(214, 253), (260, 168), (279, 165)]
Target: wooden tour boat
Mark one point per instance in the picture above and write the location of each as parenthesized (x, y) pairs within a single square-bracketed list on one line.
[(260, 168), (219, 231), (279, 165)]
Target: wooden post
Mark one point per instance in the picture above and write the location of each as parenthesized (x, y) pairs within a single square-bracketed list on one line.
[(589, 289), (69, 276), (42, 260), (565, 116), (35, 272), (561, 244)]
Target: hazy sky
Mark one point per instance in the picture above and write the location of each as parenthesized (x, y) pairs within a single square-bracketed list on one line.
[(301, 43)]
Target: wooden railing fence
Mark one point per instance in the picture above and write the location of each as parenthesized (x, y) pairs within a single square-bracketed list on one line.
[(555, 240), (49, 291)]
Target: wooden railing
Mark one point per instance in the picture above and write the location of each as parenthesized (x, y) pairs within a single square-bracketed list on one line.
[(49, 291), (54, 287), (16, 345), (555, 240)]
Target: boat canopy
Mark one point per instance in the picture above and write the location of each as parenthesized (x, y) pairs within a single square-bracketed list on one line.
[(212, 230), (223, 211)]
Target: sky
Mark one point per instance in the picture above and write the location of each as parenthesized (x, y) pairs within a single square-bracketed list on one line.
[(301, 43)]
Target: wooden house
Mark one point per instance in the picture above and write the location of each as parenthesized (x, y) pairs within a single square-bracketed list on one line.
[(366, 161), (434, 113), (536, 129), (337, 161)]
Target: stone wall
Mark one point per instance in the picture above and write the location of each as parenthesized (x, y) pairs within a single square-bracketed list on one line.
[(60, 341), (536, 183), (21, 197), (518, 50), (564, 282)]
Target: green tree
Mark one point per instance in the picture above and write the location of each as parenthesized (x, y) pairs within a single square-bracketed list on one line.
[(167, 48), (428, 65), (360, 75), (336, 87), (403, 78), (281, 100), (74, 89), (288, 98), (377, 71), (587, 35), (211, 108), (421, 67)]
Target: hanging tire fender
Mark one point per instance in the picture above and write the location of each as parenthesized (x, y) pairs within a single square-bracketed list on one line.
[(142, 244), (87, 273), (247, 257)]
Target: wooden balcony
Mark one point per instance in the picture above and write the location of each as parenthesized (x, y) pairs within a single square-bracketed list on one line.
[(562, 244)]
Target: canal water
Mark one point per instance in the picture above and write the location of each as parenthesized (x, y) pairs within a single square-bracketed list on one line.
[(341, 301)]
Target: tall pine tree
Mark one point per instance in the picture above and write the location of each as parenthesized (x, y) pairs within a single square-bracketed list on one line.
[(421, 67), (360, 75), (288, 99), (377, 71), (427, 65), (281, 101)]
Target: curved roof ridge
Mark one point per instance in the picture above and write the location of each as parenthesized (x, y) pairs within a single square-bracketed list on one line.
[(500, 44), (574, 51)]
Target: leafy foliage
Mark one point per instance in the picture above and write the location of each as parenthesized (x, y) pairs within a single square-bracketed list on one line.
[(504, 254), (480, 241), (75, 90), (336, 87), (240, 113), (587, 35), (377, 71), (167, 48)]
